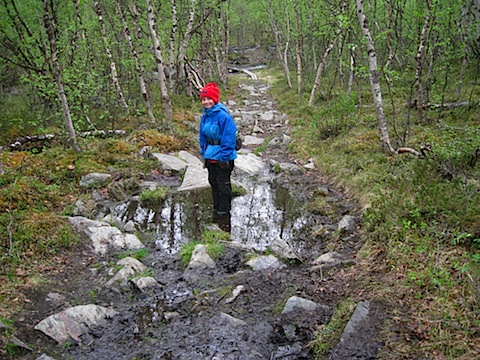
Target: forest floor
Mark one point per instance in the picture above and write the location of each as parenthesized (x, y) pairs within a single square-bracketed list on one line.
[(130, 335)]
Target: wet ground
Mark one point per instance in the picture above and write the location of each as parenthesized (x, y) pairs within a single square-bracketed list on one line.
[(190, 318)]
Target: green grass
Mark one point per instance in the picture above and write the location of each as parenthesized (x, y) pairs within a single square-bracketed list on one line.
[(212, 241), (328, 335), (421, 218)]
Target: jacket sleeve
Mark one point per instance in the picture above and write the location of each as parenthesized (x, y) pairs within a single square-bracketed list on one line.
[(202, 139), (228, 139)]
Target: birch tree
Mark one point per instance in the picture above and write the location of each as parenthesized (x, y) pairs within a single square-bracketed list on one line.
[(113, 66), (419, 60), (48, 18), (281, 55), (298, 47), (374, 80), (327, 51), (160, 67), (138, 65)]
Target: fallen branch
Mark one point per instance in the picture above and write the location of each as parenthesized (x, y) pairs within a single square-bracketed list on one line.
[(38, 142), (422, 153)]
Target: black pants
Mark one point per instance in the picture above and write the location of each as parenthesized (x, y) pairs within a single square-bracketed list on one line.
[(219, 179)]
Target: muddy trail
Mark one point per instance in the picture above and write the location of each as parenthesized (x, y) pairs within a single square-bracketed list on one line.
[(280, 277)]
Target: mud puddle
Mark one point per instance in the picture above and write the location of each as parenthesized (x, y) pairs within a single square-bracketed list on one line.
[(266, 213)]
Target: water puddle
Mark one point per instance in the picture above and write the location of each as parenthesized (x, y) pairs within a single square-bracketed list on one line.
[(266, 213)]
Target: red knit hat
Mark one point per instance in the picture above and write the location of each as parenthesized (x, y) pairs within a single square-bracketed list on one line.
[(211, 91)]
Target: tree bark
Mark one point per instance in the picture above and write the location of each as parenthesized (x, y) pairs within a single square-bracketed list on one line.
[(374, 81), (282, 58), (182, 50), (419, 67), (161, 71), (58, 76), (138, 65), (113, 66), (329, 48), (298, 49)]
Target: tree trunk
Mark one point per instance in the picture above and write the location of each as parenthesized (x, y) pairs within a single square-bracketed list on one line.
[(298, 49), (281, 58), (388, 38), (329, 48), (58, 76), (182, 50), (351, 73), (374, 81), (113, 66), (171, 47), (419, 67), (138, 65), (161, 72)]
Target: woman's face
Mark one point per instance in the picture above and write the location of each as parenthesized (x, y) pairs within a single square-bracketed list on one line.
[(207, 103)]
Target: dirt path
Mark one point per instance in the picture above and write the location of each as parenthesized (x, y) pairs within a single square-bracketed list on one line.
[(198, 317)]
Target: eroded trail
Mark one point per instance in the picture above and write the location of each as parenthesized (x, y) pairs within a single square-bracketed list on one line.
[(279, 278)]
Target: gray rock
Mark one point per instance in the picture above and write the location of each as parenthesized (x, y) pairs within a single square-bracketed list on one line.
[(281, 248), (347, 224), (249, 163), (359, 338), (200, 258), (275, 142), (131, 267), (73, 322), (268, 115), (252, 140), (104, 236), (45, 357), (268, 262), (94, 179), (296, 303), (190, 159), (195, 177), (145, 284), (229, 321), (170, 162)]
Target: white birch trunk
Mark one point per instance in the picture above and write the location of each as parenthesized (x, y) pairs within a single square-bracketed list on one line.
[(352, 71), (298, 49), (138, 65), (329, 48), (58, 78), (419, 68), (281, 58), (374, 81), (171, 50), (113, 66), (182, 51), (160, 68)]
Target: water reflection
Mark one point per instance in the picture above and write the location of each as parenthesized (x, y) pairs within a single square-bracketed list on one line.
[(263, 215)]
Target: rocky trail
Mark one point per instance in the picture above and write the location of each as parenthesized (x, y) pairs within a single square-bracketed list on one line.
[(283, 272)]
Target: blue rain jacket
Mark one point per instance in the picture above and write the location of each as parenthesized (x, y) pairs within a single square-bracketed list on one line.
[(218, 126)]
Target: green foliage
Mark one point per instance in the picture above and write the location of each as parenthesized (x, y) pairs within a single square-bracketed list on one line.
[(328, 335), (154, 198), (421, 213), (212, 241), (187, 250), (139, 254)]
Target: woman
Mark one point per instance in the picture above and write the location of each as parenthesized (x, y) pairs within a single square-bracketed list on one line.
[(217, 147)]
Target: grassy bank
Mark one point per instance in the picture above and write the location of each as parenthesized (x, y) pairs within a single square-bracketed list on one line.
[(421, 218)]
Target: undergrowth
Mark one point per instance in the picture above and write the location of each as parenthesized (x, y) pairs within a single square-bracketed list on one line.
[(421, 218)]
